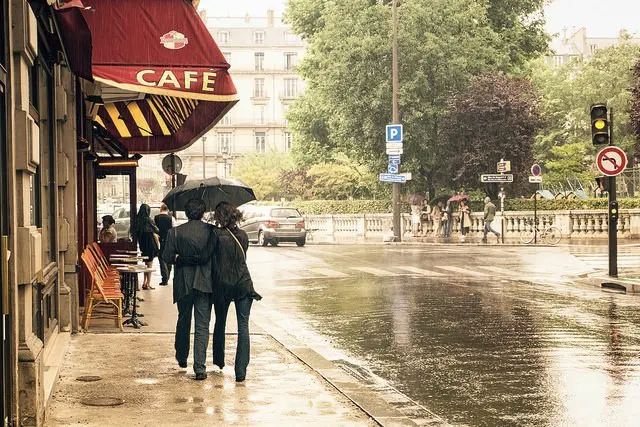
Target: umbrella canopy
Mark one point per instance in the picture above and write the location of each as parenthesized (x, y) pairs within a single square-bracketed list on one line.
[(442, 198), (458, 197), (212, 191), (416, 199)]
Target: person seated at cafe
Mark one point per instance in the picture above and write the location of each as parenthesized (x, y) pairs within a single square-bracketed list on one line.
[(108, 234)]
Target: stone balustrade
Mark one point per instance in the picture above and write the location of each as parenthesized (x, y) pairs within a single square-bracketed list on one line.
[(578, 224)]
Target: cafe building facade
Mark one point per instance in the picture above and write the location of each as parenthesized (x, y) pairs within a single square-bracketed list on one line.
[(81, 99)]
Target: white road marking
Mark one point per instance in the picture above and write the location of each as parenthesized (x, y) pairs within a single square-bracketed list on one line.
[(375, 271), (462, 271), (328, 272), (420, 271)]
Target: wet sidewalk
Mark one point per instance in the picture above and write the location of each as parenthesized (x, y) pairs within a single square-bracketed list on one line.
[(140, 383)]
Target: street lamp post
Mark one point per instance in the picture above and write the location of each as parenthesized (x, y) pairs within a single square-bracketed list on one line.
[(396, 117)]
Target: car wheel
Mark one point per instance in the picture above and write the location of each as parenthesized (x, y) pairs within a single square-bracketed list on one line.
[(301, 242), (261, 240)]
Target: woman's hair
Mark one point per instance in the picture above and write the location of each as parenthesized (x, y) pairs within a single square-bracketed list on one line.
[(227, 215), (142, 218), (108, 220)]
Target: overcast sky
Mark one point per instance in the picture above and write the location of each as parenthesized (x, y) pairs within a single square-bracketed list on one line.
[(602, 18)]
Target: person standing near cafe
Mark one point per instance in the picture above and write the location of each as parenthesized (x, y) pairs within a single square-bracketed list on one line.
[(165, 222), (192, 286)]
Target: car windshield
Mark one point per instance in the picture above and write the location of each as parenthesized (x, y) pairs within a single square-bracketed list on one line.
[(285, 213)]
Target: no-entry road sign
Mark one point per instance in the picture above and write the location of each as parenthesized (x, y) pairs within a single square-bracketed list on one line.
[(536, 170), (611, 161), (488, 178)]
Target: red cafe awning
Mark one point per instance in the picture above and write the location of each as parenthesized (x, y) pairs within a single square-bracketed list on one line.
[(164, 81)]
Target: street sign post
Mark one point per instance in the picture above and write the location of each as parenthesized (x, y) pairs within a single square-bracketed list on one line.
[(490, 178), (536, 170), (394, 159), (394, 133), (393, 177), (504, 166), (393, 168), (611, 161)]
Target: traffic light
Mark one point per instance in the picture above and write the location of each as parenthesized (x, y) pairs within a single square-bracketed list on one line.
[(613, 210), (599, 124)]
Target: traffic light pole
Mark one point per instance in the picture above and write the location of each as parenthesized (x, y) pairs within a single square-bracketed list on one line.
[(397, 230), (613, 220)]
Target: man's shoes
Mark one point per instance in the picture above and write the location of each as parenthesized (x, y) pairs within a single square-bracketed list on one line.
[(164, 284), (484, 240), (182, 363), (239, 379), (200, 376)]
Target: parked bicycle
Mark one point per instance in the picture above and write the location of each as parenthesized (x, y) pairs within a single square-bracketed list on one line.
[(549, 235)]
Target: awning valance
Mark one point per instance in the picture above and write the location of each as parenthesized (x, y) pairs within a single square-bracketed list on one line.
[(164, 82)]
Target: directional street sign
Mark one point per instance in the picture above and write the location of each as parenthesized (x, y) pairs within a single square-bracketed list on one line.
[(489, 178), (407, 175), (394, 159), (536, 170), (393, 168), (611, 161), (394, 148), (394, 133), (504, 166), (393, 177), (394, 151), (535, 179)]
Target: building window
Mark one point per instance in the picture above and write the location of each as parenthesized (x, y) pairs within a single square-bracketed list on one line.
[(223, 37), (225, 143), (259, 61), (290, 37), (226, 120), (290, 88), (287, 141), (261, 142), (290, 60), (259, 114), (258, 37), (227, 56), (258, 88)]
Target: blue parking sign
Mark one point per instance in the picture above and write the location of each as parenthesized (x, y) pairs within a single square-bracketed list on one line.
[(394, 133)]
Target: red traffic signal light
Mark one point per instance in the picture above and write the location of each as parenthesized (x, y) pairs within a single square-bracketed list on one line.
[(599, 124)]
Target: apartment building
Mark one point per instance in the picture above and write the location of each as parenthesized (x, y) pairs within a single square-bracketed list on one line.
[(575, 44), (263, 53)]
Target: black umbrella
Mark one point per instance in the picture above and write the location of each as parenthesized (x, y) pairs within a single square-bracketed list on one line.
[(212, 191)]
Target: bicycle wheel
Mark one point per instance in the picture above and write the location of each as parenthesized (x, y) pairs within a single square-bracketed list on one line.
[(527, 236), (552, 235)]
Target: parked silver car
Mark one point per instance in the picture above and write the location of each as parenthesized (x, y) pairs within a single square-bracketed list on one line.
[(273, 224)]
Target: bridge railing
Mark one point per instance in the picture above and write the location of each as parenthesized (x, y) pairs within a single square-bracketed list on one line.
[(578, 224)]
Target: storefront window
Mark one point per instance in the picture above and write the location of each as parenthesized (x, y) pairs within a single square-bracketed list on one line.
[(113, 197)]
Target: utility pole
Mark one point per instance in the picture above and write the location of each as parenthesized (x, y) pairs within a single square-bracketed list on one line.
[(204, 158), (396, 117), (613, 219)]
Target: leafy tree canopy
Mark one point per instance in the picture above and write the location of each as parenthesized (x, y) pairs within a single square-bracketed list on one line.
[(261, 172), (442, 44)]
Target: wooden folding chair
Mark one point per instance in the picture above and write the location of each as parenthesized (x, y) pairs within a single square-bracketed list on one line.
[(99, 295)]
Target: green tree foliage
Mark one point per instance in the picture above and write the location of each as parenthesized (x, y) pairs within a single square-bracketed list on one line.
[(262, 172), (635, 111), (442, 44), (566, 95), (495, 118)]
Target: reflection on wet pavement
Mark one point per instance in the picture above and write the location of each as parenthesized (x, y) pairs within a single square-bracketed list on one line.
[(481, 336)]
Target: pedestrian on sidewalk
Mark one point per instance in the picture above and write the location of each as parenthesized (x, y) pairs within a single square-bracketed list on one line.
[(436, 215), (447, 219), (489, 215), (165, 222), (192, 285), (146, 233), (425, 217), (465, 219), (231, 283)]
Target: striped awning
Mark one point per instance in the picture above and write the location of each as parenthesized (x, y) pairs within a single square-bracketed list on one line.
[(163, 80)]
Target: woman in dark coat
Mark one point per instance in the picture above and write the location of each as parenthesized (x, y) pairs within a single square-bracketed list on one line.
[(144, 229), (231, 282)]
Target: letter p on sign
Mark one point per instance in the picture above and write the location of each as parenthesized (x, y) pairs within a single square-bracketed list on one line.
[(394, 133)]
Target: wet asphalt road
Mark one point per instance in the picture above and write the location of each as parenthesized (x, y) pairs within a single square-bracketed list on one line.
[(482, 336)]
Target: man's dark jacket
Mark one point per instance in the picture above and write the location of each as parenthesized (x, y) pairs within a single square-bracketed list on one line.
[(189, 239), (164, 221)]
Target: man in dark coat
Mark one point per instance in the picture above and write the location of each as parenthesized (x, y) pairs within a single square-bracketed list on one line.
[(192, 286), (164, 221)]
